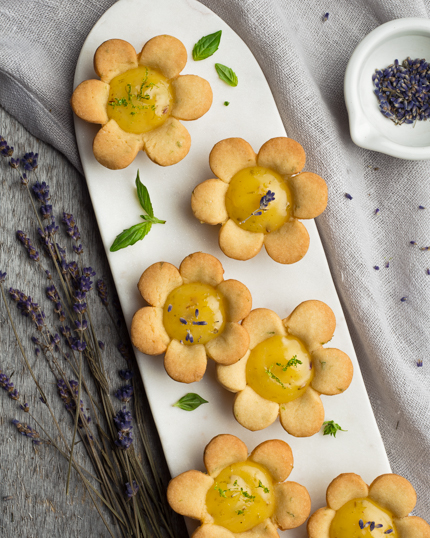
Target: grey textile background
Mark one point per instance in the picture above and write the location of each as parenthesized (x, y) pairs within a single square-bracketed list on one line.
[(304, 61)]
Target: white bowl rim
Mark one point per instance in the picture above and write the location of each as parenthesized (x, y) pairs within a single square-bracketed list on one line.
[(351, 92)]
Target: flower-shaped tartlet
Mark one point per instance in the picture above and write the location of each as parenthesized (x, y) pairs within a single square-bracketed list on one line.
[(286, 369), (355, 510), (139, 100), (241, 495), (258, 198), (194, 313)]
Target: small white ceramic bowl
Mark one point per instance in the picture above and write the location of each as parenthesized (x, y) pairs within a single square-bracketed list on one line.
[(369, 129)]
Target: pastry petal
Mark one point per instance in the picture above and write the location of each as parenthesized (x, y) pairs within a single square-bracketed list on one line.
[(319, 523), (283, 155), (266, 529), (293, 505), (229, 156), (276, 456), (394, 493), (233, 376), (333, 371), (212, 531), (289, 243), (262, 324), (114, 148), (185, 364), (201, 267), (147, 331), (89, 101), (344, 488), (313, 322), (238, 243), (222, 451), (193, 97), (114, 57), (310, 195), (412, 527), (186, 494), (230, 346), (303, 416), (208, 201), (167, 144), (158, 281), (254, 412), (165, 54), (238, 299)]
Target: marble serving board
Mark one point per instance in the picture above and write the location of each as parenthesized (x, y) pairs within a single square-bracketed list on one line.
[(252, 115)]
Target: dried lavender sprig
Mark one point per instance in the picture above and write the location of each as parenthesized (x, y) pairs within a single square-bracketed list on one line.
[(28, 431), (264, 204)]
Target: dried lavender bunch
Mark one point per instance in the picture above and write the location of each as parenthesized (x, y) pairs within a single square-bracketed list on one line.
[(110, 446)]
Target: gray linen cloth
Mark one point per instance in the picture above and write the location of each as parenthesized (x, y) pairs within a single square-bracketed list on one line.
[(304, 60)]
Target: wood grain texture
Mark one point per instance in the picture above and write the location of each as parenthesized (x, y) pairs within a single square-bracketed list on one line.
[(32, 481)]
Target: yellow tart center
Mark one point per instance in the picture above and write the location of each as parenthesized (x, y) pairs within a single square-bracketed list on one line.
[(279, 369), (194, 313), (242, 496), (258, 200), (363, 518), (140, 100)]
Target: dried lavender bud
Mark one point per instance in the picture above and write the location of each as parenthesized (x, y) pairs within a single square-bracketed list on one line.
[(78, 249), (325, 17), (421, 207), (29, 161), (126, 374), (125, 393), (348, 196), (131, 491), (123, 424), (14, 163), (401, 90), (26, 241), (7, 385), (419, 363), (2, 277), (376, 268), (70, 398), (28, 431), (41, 192), (403, 299), (102, 292), (25, 407), (101, 345)]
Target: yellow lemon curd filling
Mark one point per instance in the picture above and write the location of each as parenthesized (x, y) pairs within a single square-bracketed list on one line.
[(140, 100), (258, 200), (242, 496), (279, 369), (194, 313), (362, 518)]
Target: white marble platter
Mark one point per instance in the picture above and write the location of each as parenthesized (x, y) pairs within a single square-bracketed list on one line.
[(252, 115)]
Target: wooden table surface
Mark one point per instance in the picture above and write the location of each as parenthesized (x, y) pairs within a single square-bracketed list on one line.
[(32, 480)]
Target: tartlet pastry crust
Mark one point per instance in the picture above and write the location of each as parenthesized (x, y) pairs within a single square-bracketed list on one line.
[(313, 322), (285, 156), (168, 143), (187, 492), (390, 491), (188, 363)]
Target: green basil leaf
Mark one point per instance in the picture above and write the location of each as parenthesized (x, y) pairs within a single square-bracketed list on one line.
[(206, 46), (130, 236), (143, 195), (153, 220), (226, 74), (190, 401)]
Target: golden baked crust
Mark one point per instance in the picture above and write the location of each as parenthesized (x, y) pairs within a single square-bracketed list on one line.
[(166, 144), (313, 322), (183, 363), (286, 157), (390, 491), (187, 492)]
